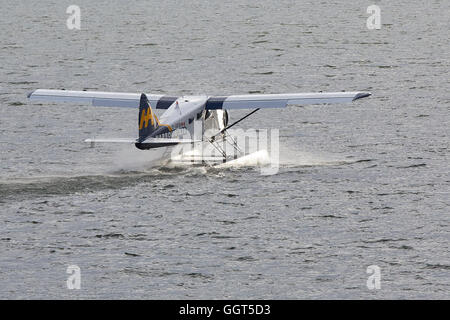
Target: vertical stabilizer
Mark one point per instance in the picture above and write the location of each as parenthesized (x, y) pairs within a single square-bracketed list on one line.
[(147, 121)]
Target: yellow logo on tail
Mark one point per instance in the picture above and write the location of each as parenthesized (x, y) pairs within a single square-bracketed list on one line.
[(146, 117)]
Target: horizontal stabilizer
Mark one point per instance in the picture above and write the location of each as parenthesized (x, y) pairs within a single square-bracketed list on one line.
[(117, 140), (169, 140), (146, 141)]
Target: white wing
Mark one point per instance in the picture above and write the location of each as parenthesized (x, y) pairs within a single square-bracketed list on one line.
[(101, 99), (281, 100), (250, 101)]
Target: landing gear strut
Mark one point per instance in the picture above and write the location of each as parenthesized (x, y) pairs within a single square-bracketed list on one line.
[(224, 137)]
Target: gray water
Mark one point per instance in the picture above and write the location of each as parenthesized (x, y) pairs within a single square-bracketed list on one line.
[(360, 184)]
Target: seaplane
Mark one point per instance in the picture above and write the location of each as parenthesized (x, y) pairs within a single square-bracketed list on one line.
[(189, 119)]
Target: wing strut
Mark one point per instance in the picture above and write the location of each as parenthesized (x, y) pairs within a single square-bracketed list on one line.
[(225, 137), (236, 122)]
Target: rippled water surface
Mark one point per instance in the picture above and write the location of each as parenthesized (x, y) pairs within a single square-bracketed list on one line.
[(360, 184)]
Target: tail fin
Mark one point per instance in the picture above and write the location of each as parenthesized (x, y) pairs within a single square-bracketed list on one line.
[(147, 120)]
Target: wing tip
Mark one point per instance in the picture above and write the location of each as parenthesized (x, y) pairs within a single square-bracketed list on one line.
[(29, 94), (361, 95)]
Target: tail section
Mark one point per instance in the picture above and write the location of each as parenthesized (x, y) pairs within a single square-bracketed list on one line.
[(147, 120), (152, 133)]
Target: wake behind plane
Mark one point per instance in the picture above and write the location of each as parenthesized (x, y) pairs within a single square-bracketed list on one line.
[(183, 114)]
